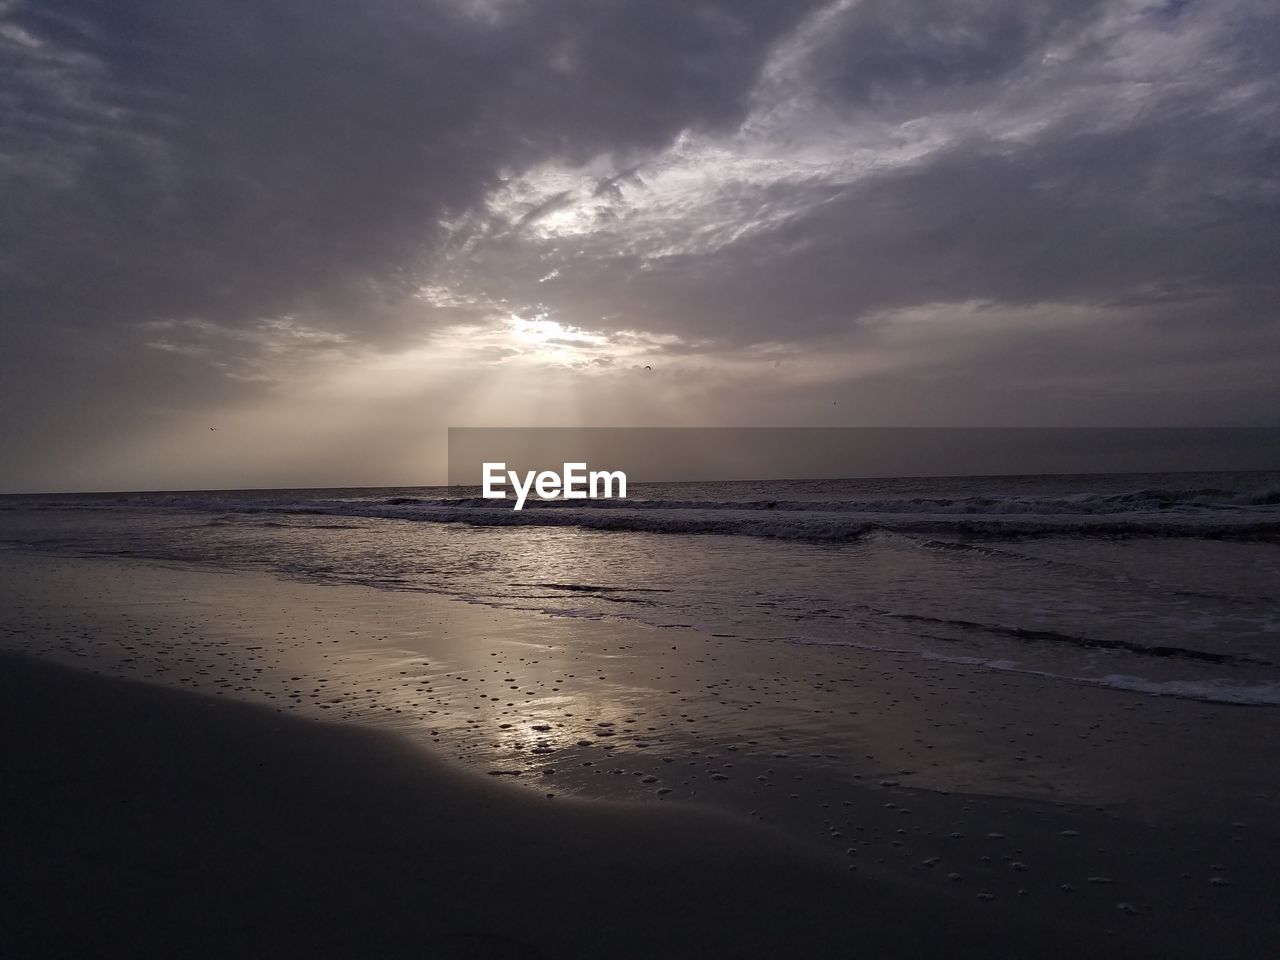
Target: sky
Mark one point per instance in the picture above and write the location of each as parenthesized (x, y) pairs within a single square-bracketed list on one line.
[(279, 243)]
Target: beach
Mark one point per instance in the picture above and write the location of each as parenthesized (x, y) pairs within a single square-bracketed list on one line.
[(732, 480), (241, 764)]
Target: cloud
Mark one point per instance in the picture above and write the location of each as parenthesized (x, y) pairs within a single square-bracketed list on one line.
[(1154, 183), (209, 205), (883, 54), (253, 159)]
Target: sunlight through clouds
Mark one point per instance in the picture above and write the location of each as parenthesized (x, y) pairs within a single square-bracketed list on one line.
[(855, 210)]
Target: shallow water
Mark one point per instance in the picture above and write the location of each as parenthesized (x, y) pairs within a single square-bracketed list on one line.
[(1163, 584)]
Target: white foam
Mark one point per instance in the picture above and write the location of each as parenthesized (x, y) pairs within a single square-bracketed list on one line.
[(1218, 691)]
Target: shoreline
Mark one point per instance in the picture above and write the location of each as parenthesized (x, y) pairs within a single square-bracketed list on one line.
[(1188, 791), (152, 822)]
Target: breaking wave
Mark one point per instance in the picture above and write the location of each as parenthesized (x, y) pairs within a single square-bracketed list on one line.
[(1199, 512)]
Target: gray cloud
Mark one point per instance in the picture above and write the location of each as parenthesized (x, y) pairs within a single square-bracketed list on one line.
[(1160, 193), (884, 54), (241, 160), (200, 196)]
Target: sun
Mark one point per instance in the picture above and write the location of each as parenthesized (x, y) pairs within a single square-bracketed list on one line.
[(545, 339)]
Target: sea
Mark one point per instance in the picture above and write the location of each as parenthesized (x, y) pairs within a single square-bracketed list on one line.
[(1160, 584)]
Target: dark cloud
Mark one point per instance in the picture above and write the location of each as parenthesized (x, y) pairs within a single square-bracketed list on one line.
[(1179, 204), (1170, 198), (238, 160), (1069, 199), (883, 52)]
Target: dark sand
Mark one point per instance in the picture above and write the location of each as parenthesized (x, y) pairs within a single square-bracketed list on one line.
[(140, 821), (982, 815)]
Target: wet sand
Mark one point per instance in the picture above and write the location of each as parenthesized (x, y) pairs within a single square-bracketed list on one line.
[(552, 787)]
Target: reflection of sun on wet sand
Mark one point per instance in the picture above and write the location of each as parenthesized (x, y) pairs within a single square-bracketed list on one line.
[(909, 808)]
